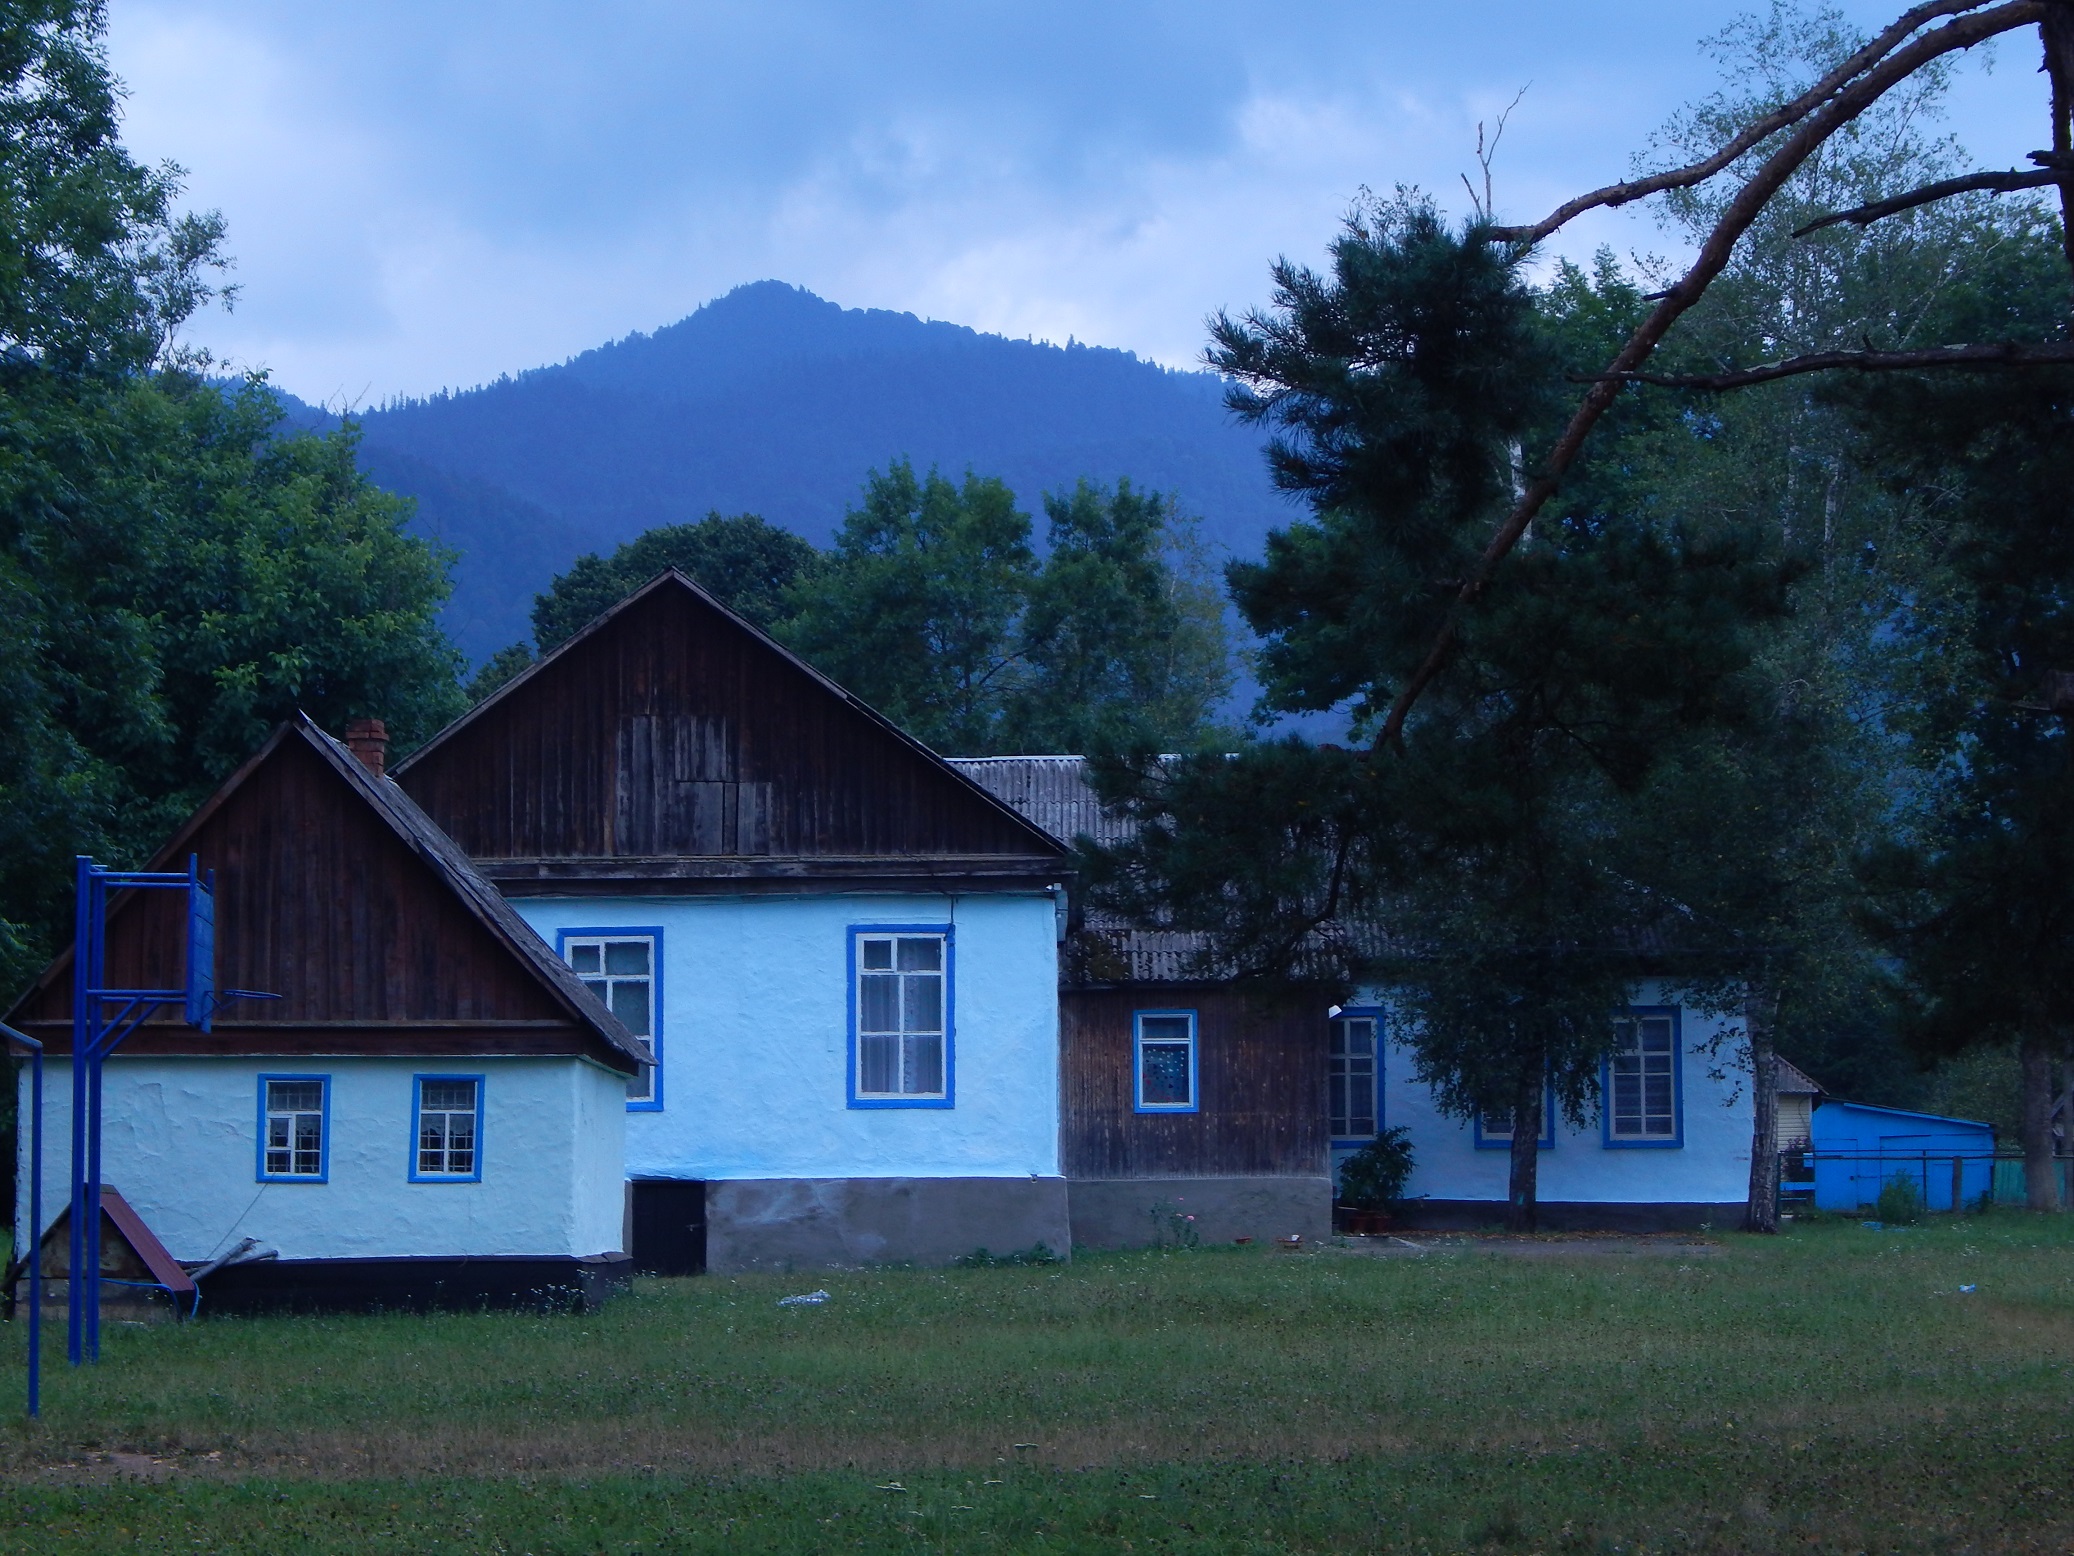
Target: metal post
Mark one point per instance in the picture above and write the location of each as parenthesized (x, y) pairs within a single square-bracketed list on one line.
[(85, 978), (35, 1255)]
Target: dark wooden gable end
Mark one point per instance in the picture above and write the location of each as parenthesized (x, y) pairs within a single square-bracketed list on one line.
[(334, 892), (671, 743)]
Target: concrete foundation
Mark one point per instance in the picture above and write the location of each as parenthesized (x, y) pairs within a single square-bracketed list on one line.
[(1135, 1212), (1469, 1215), (836, 1223)]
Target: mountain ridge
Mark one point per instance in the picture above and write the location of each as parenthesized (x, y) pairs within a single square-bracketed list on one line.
[(775, 401)]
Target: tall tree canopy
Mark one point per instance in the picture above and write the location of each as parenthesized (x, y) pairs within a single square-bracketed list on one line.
[(177, 576)]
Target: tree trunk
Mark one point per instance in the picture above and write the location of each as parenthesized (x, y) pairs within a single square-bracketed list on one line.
[(1521, 1211), (2056, 29), (1760, 1008), (2041, 1172)]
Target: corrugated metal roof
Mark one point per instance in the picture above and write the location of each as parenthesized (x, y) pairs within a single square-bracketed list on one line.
[(1794, 1081), (1052, 791)]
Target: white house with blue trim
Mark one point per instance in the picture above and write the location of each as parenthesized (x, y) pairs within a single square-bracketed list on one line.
[(843, 952), (432, 1107), (1667, 1145)]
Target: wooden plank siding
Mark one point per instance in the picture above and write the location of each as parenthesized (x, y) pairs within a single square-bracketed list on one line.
[(319, 900), (672, 730), (1260, 1078)]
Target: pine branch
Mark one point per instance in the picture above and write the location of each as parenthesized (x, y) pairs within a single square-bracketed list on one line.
[(1841, 108), (1943, 189), (2007, 354)]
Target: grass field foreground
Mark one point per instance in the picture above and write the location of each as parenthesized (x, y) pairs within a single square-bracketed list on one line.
[(1832, 1388)]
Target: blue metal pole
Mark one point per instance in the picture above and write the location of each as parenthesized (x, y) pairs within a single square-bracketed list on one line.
[(84, 980)]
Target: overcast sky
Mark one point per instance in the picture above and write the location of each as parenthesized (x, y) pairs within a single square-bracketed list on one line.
[(427, 193)]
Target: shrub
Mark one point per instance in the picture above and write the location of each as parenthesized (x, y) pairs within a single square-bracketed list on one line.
[(1373, 1178), (1900, 1202)]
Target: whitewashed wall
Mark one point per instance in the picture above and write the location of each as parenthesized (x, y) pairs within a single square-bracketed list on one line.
[(1712, 1166), (755, 1027), (180, 1141)]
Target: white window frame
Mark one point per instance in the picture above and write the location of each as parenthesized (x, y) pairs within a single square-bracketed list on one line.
[(1344, 1072), (293, 1119), (866, 943), (645, 1090), (419, 1172), (1631, 1066)]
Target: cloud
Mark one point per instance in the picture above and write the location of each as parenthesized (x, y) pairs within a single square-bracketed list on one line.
[(430, 194)]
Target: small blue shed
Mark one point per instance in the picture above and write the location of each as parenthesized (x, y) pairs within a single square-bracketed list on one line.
[(1859, 1148)]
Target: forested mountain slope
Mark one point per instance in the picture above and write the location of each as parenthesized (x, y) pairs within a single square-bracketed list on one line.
[(774, 401)]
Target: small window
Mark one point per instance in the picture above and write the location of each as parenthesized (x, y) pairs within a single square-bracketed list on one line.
[(1164, 1061), (449, 1128), (1494, 1125), (293, 1112), (901, 1017), (1642, 1082), (1350, 1068), (620, 971)]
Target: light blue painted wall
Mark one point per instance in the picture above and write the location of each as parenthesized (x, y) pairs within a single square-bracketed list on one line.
[(1711, 1167), (755, 1026), (180, 1142)]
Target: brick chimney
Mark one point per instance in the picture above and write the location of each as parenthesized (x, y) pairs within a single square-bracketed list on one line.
[(368, 739)]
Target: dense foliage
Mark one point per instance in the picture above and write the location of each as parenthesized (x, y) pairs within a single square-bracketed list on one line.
[(177, 576)]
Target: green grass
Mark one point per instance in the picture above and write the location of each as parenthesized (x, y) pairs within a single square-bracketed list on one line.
[(1828, 1389)]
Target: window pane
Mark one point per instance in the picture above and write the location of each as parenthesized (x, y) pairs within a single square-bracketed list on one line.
[(878, 955), (598, 988), (448, 1094), (924, 1012), (584, 958), (1360, 1037), (1163, 1029), (1656, 1036), (627, 956), (1163, 1074), (878, 1064), (460, 1142), (294, 1096), (921, 955), (924, 1071), (630, 1004), (878, 1004), (641, 1087)]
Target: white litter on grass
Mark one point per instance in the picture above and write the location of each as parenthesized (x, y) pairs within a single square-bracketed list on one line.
[(1965, 1291), (810, 1299)]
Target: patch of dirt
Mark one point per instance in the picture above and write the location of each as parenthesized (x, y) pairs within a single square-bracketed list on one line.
[(1519, 1245)]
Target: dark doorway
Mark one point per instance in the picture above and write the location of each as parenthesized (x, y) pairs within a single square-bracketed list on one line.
[(669, 1230)]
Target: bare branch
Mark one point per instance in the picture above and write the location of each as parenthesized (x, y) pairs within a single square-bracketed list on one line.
[(2007, 354), (1943, 189), (1712, 259), (1791, 113)]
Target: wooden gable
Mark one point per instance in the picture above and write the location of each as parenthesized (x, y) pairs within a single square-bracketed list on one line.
[(335, 894), (671, 742)]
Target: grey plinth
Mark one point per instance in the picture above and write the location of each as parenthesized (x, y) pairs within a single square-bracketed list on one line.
[(1134, 1212), (836, 1223)]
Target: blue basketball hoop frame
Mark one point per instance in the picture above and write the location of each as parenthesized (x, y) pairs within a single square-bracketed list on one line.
[(103, 1018)]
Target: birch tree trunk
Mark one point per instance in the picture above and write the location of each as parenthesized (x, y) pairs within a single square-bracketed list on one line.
[(1760, 1009), (2041, 1172), (1521, 1211)]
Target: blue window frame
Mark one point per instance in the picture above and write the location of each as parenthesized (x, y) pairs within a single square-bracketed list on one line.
[(623, 968), (294, 1129), (1494, 1128), (902, 1027), (1354, 1076), (446, 1128), (1164, 1077), (1642, 1081)]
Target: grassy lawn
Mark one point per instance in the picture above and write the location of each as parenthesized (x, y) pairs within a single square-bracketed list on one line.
[(1830, 1389)]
